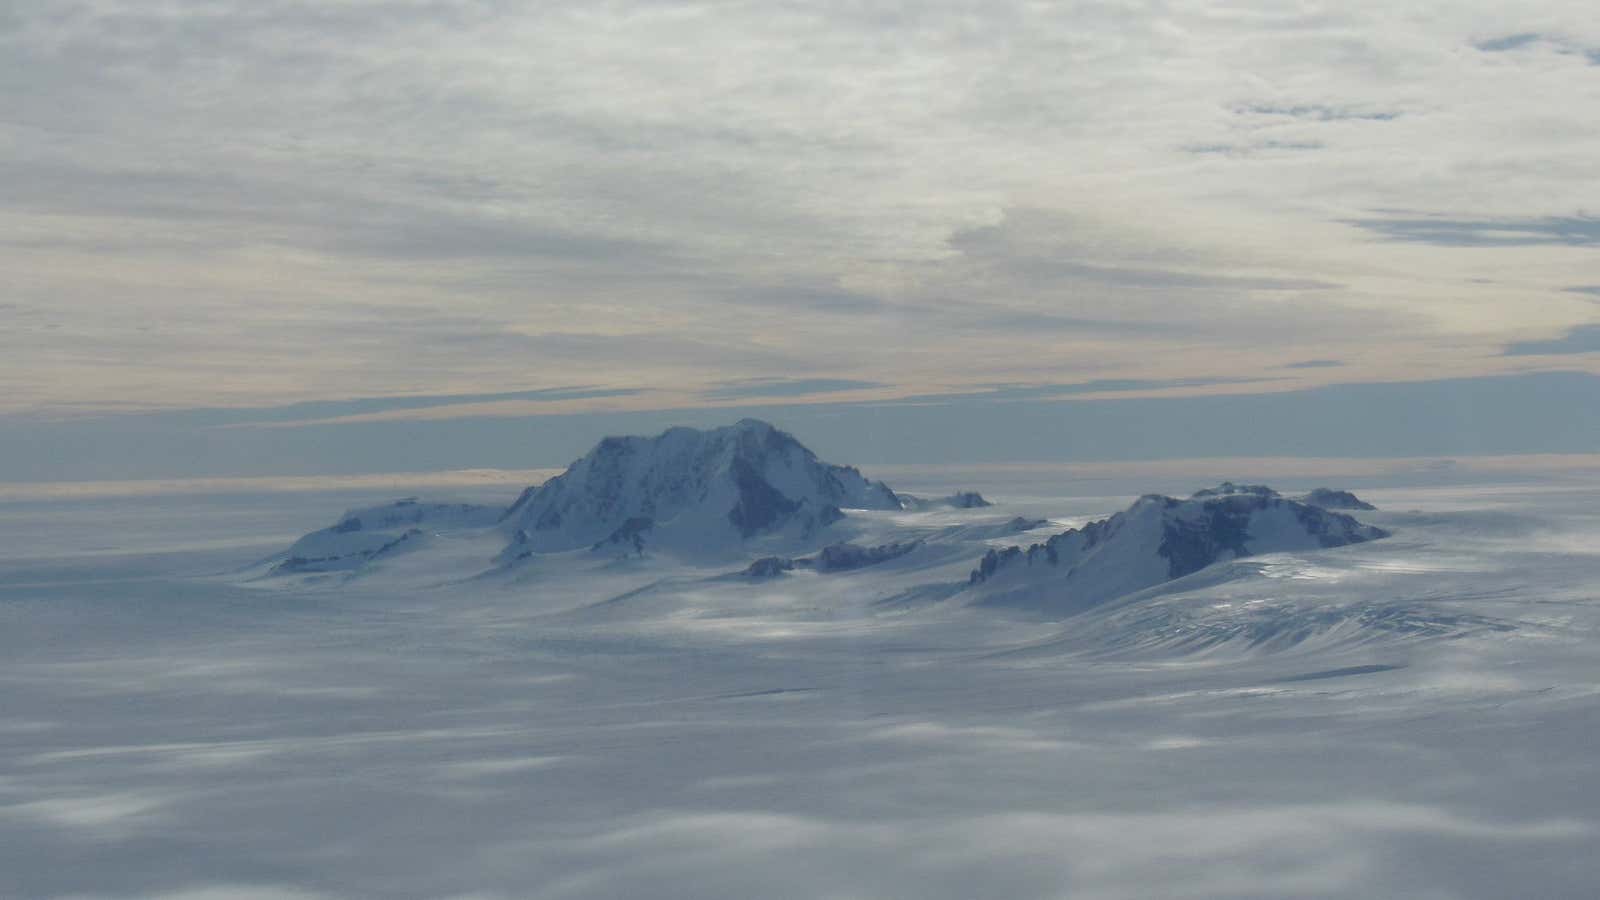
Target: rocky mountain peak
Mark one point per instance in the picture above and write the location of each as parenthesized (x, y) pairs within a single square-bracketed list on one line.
[(691, 491)]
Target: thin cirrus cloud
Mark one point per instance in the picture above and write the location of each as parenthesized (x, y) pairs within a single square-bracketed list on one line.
[(786, 387), (1558, 43), (318, 410), (1582, 339), (1016, 392), (1320, 112), (1571, 231), (226, 204), (1508, 42)]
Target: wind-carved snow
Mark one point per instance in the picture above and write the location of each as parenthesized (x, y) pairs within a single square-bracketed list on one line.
[(1156, 540)]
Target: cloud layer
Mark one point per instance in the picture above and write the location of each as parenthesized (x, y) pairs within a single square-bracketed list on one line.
[(227, 203)]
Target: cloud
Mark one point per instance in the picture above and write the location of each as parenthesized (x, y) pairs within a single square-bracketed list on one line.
[(330, 216), (250, 204), (1311, 849), (1319, 112), (328, 409), (215, 892), (1508, 42), (1250, 150), (823, 299), (1315, 364), (1523, 39), (1582, 339), (1571, 231), (1014, 392), (979, 319), (1042, 246), (786, 387)]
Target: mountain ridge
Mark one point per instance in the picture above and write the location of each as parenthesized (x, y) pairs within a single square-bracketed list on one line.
[(1158, 539)]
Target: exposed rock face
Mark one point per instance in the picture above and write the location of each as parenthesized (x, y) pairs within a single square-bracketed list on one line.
[(629, 534), (840, 557), (1160, 538), (1228, 487), (690, 492), (769, 567), (844, 557), (1328, 498), (363, 535), (958, 500)]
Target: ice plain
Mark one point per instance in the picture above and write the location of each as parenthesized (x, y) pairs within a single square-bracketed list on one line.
[(1415, 716)]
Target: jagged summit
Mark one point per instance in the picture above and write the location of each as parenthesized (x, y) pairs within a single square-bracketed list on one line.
[(1326, 498), (689, 491), (1228, 487), (1158, 539)]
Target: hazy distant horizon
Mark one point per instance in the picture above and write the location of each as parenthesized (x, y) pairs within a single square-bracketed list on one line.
[(1528, 414)]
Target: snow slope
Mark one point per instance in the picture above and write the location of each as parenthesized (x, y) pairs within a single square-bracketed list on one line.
[(363, 536)]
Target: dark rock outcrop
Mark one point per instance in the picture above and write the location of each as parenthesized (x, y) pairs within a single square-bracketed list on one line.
[(1327, 498), (958, 500), (841, 557), (769, 567)]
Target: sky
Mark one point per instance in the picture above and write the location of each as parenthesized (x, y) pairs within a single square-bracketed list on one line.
[(289, 237)]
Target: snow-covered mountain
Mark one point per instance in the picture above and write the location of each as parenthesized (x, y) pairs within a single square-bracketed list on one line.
[(689, 492), (364, 535), (749, 490), (1158, 539), (698, 494)]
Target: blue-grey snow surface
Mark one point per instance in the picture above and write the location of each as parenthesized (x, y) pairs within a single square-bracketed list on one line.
[(1409, 717)]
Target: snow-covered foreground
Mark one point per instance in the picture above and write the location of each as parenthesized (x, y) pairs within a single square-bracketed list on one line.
[(1410, 717)]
